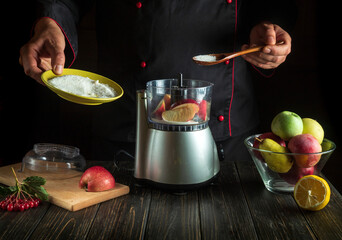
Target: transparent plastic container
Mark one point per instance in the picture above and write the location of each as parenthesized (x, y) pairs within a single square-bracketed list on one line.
[(55, 160), (284, 182), (179, 102)]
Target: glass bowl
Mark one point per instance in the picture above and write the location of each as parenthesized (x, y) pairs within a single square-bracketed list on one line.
[(284, 182), (53, 161)]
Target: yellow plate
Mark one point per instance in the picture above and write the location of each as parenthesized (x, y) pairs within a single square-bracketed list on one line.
[(46, 76)]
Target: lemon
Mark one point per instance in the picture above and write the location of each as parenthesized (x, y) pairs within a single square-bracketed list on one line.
[(312, 193)]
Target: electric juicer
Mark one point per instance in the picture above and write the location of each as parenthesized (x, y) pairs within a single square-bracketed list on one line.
[(174, 145)]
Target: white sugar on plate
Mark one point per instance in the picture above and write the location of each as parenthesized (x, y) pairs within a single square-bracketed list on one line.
[(82, 86)]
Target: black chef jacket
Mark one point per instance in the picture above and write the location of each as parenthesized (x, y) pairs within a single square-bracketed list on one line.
[(144, 40)]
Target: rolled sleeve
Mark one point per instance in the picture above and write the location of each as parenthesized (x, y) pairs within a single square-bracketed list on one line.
[(66, 16)]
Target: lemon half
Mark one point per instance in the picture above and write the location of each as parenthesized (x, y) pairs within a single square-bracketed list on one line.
[(312, 193)]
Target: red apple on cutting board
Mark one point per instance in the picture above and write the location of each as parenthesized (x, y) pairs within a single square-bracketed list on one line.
[(97, 179)]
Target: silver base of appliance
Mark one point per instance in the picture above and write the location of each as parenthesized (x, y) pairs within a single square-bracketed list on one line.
[(173, 157)]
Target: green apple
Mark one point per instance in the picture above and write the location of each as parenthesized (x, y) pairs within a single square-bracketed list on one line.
[(312, 127), (287, 125)]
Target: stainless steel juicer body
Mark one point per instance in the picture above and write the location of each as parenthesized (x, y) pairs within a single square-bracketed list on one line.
[(177, 157)]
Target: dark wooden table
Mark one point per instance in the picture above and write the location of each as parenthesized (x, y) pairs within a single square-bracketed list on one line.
[(236, 207)]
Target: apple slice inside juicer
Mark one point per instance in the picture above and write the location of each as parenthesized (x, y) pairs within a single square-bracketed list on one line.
[(181, 113), (163, 105), (202, 113)]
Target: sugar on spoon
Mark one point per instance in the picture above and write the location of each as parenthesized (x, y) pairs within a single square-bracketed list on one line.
[(215, 58)]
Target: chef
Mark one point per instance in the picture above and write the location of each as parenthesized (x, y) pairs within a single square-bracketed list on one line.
[(143, 40)]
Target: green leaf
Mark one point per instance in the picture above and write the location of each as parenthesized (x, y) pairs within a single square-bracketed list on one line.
[(13, 189), (31, 186), (34, 181), (37, 191), (42, 194), (4, 191)]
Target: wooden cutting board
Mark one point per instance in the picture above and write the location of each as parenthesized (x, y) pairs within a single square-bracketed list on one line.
[(63, 188)]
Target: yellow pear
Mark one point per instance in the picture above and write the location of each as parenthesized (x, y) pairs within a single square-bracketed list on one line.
[(276, 160)]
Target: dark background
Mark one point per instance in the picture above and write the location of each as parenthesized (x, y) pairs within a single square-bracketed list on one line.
[(308, 84)]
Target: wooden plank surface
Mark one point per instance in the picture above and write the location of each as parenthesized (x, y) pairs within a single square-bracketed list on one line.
[(124, 217), (20, 225), (327, 223), (236, 206), (58, 223), (224, 210), (63, 188), (275, 216), (173, 216)]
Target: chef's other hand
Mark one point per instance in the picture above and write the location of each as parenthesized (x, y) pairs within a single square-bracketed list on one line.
[(273, 54), (44, 51)]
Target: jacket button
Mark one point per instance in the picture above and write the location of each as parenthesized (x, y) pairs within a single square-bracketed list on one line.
[(139, 4), (229, 1), (227, 62), (143, 64), (221, 118)]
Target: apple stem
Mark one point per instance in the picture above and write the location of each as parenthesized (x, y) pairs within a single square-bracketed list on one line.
[(258, 139)]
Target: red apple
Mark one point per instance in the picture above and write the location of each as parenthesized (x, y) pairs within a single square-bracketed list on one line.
[(163, 105), (159, 109), (305, 143), (296, 173), (267, 135), (202, 112), (97, 179), (183, 101), (167, 101), (182, 113)]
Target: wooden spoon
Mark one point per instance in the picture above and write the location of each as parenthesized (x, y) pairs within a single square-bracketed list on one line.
[(215, 58)]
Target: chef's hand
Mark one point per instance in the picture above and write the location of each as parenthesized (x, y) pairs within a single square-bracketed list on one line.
[(44, 51), (273, 54)]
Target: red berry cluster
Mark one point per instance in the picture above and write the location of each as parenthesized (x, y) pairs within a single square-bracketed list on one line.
[(12, 203)]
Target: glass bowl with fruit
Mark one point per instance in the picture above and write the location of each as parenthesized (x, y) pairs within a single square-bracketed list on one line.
[(294, 148)]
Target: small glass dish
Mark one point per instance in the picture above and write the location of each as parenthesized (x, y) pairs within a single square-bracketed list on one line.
[(284, 182), (53, 161)]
